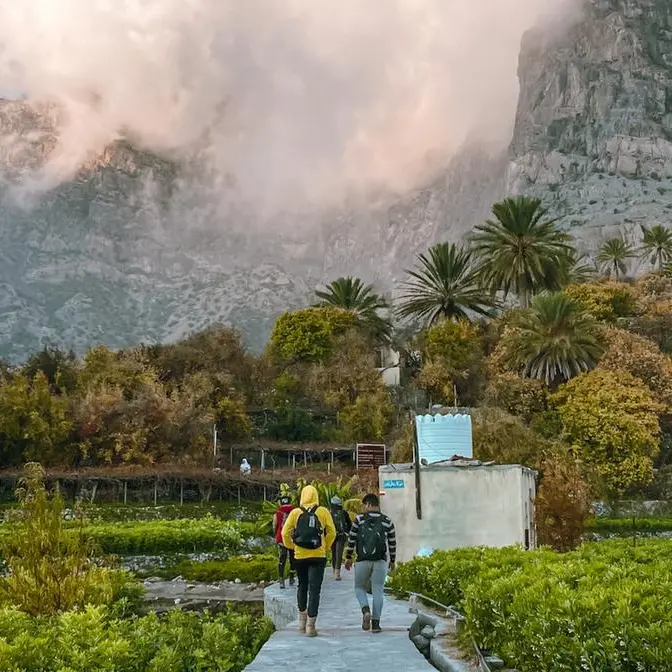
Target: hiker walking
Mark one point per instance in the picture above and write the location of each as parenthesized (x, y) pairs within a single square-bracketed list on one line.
[(284, 509), (372, 536), (342, 523), (309, 531)]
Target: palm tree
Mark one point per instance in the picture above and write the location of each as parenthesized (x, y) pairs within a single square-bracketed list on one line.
[(521, 251), (445, 285), (613, 256), (577, 269), (553, 340), (656, 245), (353, 295)]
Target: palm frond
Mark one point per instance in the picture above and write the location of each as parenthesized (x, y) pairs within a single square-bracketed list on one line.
[(553, 340), (520, 250), (613, 256), (444, 285), (349, 293), (656, 245)]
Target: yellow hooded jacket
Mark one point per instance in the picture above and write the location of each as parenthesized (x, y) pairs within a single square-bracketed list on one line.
[(309, 498)]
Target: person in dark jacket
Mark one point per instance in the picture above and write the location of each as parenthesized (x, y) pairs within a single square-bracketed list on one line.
[(374, 540), (342, 523), (284, 509)]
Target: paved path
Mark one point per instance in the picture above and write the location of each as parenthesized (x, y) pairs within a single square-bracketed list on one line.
[(341, 646)]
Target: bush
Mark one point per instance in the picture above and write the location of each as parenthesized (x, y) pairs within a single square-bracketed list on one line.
[(603, 607), (453, 352), (132, 513), (167, 536), (522, 397), (612, 422), (95, 640), (604, 301), (626, 526), (641, 358), (51, 569), (308, 334), (563, 503), (247, 568), (505, 439)]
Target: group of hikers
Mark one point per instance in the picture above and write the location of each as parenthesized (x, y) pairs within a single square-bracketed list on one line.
[(305, 534)]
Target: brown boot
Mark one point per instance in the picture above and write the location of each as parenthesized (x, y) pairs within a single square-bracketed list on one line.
[(366, 619), (337, 573), (310, 627), (303, 618)]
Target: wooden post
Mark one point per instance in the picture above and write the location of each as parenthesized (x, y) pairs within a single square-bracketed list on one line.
[(181, 490), (264, 493), (294, 462), (332, 456), (305, 459), (329, 468), (156, 490), (125, 492), (263, 460), (239, 495)]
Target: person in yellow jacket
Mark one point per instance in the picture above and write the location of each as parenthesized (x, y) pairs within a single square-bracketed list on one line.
[(309, 530)]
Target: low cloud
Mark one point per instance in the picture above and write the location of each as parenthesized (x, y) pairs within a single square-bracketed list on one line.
[(290, 105)]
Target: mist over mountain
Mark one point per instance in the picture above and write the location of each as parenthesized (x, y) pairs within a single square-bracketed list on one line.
[(145, 200)]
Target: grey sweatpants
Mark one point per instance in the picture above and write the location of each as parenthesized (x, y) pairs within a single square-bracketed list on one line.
[(371, 573)]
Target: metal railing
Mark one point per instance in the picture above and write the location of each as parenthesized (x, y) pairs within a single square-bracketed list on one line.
[(450, 611)]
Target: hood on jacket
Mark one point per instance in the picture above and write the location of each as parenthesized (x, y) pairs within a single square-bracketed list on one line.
[(309, 497)]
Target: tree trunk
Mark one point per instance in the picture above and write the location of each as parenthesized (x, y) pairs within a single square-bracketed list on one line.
[(523, 292)]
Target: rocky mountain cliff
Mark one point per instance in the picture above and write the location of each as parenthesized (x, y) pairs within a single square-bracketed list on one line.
[(593, 134), (126, 252)]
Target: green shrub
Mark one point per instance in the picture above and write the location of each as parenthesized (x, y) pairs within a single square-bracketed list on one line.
[(50, 569), (128, 513), (94, 640), (158, 537), (603, 607), (247, 568), (626, 526), (168, 536)]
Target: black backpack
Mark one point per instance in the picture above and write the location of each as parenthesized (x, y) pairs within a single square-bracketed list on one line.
[(339, 522), (371, 538), (308, 531)]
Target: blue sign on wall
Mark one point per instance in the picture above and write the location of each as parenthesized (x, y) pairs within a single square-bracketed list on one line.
[(391, 485)]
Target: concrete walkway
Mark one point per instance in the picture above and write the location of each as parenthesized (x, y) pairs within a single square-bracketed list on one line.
[(341, 646)]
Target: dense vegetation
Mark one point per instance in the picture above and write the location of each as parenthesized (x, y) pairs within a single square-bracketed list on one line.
[(602, 607), (64, 607), (567, 360), (95, 639)]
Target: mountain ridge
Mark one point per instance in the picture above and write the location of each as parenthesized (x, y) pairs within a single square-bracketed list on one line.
[(132, 249)]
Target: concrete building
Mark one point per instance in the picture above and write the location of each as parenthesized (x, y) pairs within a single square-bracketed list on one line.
[(462, 503), (389, 366)]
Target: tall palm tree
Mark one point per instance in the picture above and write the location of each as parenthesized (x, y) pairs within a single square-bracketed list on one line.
[(656, 245), (613, 256), (521, 251), (353, 295), (553, 340), (444, 285)]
